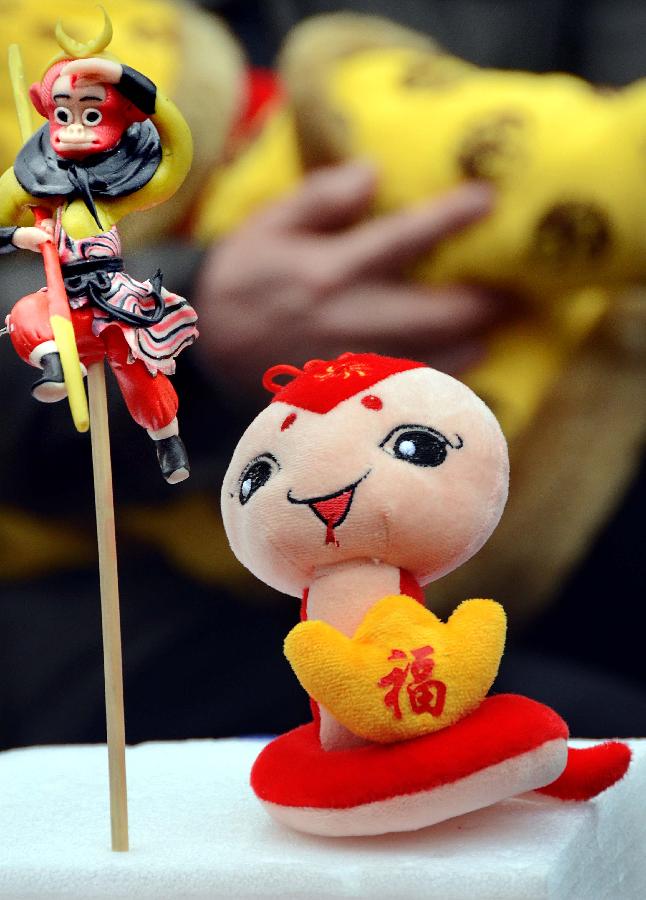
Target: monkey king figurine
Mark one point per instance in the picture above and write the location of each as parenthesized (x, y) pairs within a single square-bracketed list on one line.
[(111, 145)]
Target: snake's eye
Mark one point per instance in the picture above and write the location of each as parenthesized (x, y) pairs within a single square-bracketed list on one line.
[(419, 445), (255, 475), (91, 116), (62, 115)]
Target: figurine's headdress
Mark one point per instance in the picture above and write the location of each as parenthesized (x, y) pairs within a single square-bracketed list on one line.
[(73, 49), (41, 92), (322, 384)]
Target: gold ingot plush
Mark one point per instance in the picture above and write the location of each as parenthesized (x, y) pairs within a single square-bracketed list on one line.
[(565, 158), (446, 674), (566, 161)]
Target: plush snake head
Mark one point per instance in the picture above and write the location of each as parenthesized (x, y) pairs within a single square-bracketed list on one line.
[(364, 457)]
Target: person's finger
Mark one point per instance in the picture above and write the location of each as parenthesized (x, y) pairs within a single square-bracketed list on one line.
[(389, 243), (433, 316), (330, 198)]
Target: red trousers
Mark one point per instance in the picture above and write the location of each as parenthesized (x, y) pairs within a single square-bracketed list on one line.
[(151, 399)]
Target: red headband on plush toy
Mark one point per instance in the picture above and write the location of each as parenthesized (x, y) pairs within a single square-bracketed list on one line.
[(323, 384)]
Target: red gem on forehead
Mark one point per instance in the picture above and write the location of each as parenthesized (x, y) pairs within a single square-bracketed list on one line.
[(371, 401), (288, 421)]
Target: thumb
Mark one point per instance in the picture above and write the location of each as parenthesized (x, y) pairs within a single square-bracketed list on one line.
[(329, 198)]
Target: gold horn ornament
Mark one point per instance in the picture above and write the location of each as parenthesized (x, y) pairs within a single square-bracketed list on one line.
[(76, 49)]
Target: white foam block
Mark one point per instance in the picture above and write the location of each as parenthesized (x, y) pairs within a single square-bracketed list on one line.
[(197, 831)]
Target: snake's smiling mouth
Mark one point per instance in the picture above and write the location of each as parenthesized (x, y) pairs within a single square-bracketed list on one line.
[(331, 509)]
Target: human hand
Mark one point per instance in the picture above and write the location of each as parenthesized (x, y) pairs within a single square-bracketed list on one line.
[(310, 276), (33, 237), (94, 70)]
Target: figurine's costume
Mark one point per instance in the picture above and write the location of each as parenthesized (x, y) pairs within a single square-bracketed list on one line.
[(137, 326), (151, 327)]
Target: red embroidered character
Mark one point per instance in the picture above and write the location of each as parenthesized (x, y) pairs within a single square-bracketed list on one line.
[(396, 678), (425, 694)]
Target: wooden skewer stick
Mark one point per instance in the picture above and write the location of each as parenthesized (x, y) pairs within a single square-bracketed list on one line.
[(108, 576)]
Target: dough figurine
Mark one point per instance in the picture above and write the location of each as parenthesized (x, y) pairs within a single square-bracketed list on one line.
[(112, 144), (366, 478)]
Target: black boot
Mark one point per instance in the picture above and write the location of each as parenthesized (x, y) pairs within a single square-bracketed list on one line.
[(50, 387), (173, 459)]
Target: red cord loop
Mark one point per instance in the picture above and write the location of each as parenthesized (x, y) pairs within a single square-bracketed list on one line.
[(281, 369)]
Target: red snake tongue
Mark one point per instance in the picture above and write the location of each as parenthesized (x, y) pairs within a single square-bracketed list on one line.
[(332, 511)]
